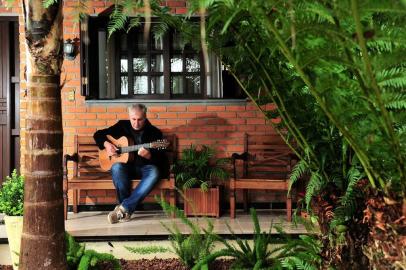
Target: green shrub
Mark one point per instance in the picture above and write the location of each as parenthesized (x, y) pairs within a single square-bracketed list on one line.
[(12, 195), (81, 259), (198, 167)]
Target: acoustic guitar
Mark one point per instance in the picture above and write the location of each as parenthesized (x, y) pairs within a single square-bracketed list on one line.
[(125, 147)]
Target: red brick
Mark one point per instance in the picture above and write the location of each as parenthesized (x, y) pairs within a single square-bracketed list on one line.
[(86, 130), (197, 122), (157, 109), (196, 108), (244, 128), (122, 116), (151, 115), (251, 107), (175, 3), (218, 135), (88, 200), (198, 135), (158, 122), (68, 116), (227, 114), (235, 108), (176, 108), (76, 123), (107, 116), (106, 200), (235, 148), (247, 114), (86, 116), (97, 123), (255, 121), (226, 128), (240, 121), (96, 193), (117, 109), (206, 128), (175, 122), (264, 128), (186, 115), (76, 109), (110, 122), (216, 108), (96, 109), (110, 193), (167, 115), (216, 121), (181, 10)]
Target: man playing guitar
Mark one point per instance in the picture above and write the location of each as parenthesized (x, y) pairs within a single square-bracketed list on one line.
[(145, 163)]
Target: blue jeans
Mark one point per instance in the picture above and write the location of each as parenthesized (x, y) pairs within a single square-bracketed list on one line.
[(122, 174)]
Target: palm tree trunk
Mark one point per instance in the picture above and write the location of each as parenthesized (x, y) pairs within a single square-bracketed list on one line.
[(43, 239)]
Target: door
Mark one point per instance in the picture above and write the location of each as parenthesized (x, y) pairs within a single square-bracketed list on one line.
[(9, 97)]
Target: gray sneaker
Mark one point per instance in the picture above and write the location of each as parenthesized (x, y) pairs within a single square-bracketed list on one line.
[(119, 214)]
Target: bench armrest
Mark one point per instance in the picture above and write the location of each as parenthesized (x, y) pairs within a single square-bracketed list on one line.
[(236, 156), (243, 156), (292, 157), (66, 159)]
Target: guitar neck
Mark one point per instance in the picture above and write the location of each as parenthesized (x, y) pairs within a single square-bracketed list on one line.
[(133, 148)]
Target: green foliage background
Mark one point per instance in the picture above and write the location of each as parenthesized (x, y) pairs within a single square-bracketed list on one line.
[(12, 195)]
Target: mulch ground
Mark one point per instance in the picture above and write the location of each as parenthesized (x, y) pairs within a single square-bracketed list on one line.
[(154, 264)]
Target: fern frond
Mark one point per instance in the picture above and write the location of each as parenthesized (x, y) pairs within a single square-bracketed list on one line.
[(313, 187), (298, 171)]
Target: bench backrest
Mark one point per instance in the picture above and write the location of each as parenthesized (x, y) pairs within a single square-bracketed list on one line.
[(268, 157), (88, 156)]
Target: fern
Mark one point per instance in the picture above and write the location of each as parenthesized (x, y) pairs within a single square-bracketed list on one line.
[(298, 171), (313, 187)]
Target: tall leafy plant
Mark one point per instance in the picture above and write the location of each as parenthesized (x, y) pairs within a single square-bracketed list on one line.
[(334, 70)]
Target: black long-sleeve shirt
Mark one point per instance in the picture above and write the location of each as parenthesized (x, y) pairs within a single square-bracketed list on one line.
[(147, 134)]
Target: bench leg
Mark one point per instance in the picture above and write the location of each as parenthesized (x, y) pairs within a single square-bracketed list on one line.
[(245, 199), (232, 203), (172, 200), (76, 196), (289, 208), (65, 199)]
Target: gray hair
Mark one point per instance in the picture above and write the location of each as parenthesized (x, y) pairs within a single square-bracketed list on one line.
[(138, 107)]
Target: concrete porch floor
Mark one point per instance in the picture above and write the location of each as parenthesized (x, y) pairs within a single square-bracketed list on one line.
[(148, 224), (145, 228)]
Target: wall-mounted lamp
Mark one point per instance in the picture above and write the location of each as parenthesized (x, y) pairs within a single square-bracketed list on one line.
[(69, 49)]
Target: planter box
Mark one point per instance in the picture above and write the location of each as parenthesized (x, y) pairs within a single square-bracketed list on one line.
[(14, 229), (200, 203)]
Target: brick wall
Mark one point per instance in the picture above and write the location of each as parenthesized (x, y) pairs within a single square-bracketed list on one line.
[(218, 125)]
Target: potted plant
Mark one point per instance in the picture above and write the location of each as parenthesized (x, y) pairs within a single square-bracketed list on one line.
[(196, 172), (11, 204)]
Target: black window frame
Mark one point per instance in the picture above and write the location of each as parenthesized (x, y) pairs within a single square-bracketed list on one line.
[(89, 54)]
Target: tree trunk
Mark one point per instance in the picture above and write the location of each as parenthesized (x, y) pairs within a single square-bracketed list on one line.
[(43, 239)]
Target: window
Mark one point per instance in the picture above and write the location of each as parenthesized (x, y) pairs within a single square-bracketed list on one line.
[(129, 66)]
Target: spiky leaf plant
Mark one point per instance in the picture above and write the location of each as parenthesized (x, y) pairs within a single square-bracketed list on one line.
[(267, 252), (193, 247)]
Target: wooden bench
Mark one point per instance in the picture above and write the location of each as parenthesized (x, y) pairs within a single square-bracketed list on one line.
[(87, 174), (266, 165)]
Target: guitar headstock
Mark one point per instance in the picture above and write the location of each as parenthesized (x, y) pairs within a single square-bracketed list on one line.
[(160, 144)]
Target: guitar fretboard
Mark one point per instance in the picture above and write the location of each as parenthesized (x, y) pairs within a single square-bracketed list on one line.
[(127, 149)]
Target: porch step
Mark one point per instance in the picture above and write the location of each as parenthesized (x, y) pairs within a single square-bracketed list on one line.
[(146, 225)]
